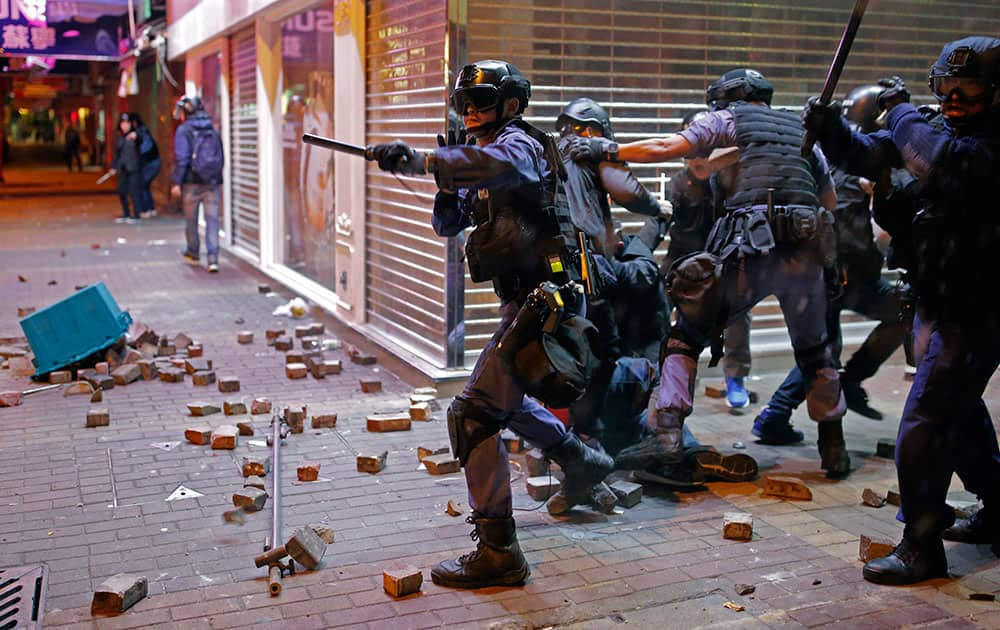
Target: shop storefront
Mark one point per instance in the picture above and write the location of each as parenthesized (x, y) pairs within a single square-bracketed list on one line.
[(358, 241)]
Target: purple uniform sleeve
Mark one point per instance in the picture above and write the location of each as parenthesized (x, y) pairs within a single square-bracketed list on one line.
[(513, 159), (712, 131)]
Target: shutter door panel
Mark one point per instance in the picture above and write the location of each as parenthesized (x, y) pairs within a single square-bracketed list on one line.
[(406, 99), (244, 177)]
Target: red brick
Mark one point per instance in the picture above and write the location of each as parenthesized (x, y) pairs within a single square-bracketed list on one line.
[(192, 365), (118, 593), (324, 421), (372, 463), (787, 488), (250, 499), (200, 435), (202, 408), (125, 374), (256, 466), (370, 385), (296, 370), (60, 376), (225, 437), (203, 379), (244, 337), (195, 350), (234, 407), (260, 406), (402, 582), (308, 472), (420, 412), (229, 385), (381, 423), (737, 526), (441, 464), (98, 417)]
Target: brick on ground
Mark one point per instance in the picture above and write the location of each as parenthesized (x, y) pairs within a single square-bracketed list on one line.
[(787, 488), (244, 337), (260, 406), (372, 463), (132, 356), (737, 526), (192, 365), (256, 466), (441, 464), (200, 435), (308, 472), (512, 440), (382, 423), (203, 378), (541, 488), (172, 375), (427, 451), (245, 428), (274, 333), (97, 396), (118, 593), (317, 328), (420, 412), (201, 408), (181, 340), (98, 417), (127, 373), (148, 369), (871, 547), (324, 421), (60, 376), (225, 437), (332, 367), (603, 499), (195, 350), (250, 499), (370, 385), (296, 370), (294, 356), (234, 407), (871, 498), (302, 331), (102, 367), (283, 343), (402, 582), (78, 387), (628, 494), (229, 384), (253, 481), (537, 464)]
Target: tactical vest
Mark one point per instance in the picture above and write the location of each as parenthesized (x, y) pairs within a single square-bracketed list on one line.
[(770, 142), (519, 243)]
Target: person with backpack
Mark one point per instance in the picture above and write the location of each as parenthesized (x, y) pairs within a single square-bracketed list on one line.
[(197, 177), (149, 159)]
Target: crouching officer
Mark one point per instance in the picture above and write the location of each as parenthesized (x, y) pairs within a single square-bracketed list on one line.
[(777, 213), (950, 235), (505, 185)]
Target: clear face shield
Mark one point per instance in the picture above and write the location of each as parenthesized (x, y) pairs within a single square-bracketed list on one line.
[(475, 99), (965, 89)]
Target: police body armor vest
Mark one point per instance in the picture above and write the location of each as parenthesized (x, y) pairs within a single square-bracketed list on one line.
[(770, 142), (518, 246)]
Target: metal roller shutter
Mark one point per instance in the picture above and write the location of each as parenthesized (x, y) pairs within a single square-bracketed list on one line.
[(244, 186), (406, 99), (649, 61)]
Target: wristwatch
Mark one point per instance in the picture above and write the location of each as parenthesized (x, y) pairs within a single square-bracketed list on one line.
[(611, 151)]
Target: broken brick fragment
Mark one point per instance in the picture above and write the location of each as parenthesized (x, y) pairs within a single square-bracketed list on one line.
[(229, 385), (441, 464), (372, 463), (259, 406), (737, 526), (324, 421), (381, 423), (308, 472), (200, 435), (371, 386), (98, 417), (244, 337), (203, 378), (234, 407), (402, 582), (225, 437), (118, 593)]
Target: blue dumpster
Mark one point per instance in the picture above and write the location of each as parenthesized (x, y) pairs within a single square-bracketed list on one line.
[(74, 328)]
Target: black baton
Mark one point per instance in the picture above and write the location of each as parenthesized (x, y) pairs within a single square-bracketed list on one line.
[(839, 59), (336, 145)]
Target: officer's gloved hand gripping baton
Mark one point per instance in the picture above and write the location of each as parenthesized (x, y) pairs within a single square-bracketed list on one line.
[(344, 147), (839, 59)]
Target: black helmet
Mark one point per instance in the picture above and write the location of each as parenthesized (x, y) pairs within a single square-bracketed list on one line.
[(861, 107), (970, 65), (741, 84), (188, 104), (487, 84), (585, 110)]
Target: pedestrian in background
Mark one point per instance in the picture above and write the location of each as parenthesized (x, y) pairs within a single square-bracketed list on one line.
[(197, 177), (149, 155), (127, 164)]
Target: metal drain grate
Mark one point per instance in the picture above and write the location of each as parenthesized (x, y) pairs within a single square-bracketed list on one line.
[(22, 597)]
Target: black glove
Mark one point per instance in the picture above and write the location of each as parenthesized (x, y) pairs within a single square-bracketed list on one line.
[(454, 139), (396, 157), (582, 149), (895, 92), (817, 118)]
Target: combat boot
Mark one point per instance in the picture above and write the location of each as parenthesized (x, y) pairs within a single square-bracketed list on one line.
[(664, 445), (981, 528), (832, 450), (910, 562), (583, 467), (496, 561), (857, 400)]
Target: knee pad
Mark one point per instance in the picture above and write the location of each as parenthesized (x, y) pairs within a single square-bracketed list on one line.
[(694, 288), (824, 400), (469, 424)]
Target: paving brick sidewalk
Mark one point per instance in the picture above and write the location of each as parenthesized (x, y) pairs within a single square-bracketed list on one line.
[(662, 564)]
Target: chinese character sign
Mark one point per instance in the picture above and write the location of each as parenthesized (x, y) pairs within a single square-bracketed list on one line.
[(24, 31)]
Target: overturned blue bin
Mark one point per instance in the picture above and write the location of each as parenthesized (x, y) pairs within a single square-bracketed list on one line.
[(70, 330)]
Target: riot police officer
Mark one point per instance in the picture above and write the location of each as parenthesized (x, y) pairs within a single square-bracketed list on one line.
[(505, 186), (778, 214), (856, 284), (588, 185), (951, 234)]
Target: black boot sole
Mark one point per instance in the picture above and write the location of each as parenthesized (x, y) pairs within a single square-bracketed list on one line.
[(511, 578), (736, 467), (896, 579)]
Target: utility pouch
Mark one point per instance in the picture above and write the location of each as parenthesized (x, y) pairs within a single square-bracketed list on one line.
[(759, 236)]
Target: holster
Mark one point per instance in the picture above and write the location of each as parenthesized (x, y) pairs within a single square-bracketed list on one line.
[(741, 233)]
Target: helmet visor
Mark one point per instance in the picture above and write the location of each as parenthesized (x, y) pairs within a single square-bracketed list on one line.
[(968, 89), (478, 97)]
